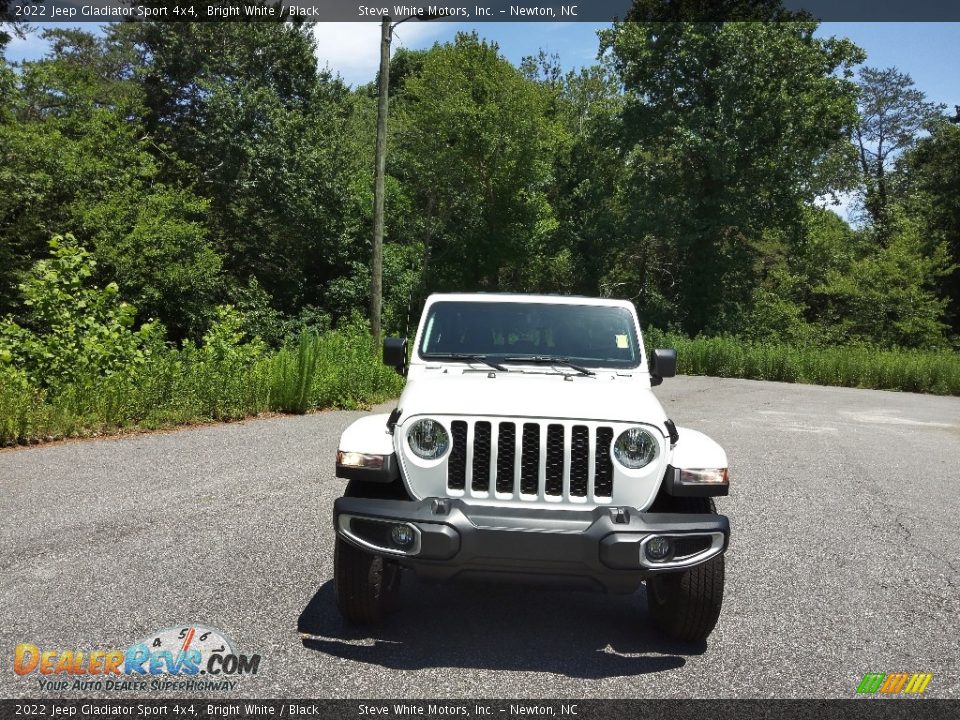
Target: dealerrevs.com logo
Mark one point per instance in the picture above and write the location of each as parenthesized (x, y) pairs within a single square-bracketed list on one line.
[(187, 657)]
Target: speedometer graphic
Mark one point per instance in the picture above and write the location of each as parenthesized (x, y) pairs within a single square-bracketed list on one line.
[(193, 643)]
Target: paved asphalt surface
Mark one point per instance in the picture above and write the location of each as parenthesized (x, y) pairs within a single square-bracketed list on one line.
[(844, 560)]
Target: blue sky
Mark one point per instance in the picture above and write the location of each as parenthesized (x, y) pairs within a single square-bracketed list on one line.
[(929, 52)]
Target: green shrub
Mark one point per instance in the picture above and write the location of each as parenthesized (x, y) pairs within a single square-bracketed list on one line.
[(349, 370), (72, 331), (227, 376), (74, 363), (923, 371)]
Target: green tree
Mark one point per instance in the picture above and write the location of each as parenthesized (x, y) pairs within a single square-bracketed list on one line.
[(241, 112), (472, 147), (893, 113), (582, 255), (932, 174), (828, 284), (73, 156), (155, 247), (727, 133), (887, 296), (792, 262)]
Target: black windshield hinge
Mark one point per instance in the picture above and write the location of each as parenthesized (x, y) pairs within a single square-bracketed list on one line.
[(672, 430), (392, 420)]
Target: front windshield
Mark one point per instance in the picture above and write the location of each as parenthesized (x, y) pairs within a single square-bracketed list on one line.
[(590, 335)]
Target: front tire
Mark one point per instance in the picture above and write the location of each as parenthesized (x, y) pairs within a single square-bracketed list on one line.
[(686, 605), (367, 585)]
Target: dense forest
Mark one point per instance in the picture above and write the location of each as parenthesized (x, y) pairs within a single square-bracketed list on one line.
[(162, 182)]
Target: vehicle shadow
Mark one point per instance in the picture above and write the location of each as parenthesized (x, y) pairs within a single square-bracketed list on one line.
[(582, 635)]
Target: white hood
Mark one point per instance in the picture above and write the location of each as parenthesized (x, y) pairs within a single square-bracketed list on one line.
[(605, 396)]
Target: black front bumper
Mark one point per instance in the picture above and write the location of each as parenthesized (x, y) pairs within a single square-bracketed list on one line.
[(598, 549)]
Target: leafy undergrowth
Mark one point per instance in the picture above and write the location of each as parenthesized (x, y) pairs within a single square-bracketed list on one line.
[(75, 363), (337, 369)]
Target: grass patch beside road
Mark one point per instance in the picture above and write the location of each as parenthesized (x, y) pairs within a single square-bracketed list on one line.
[(219, 381), (936, 372), (337, 369)]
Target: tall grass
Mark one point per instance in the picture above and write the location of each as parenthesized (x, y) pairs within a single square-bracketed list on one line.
[(292, 374), (936, 372), (336, 369), (340, 369), (23, 410)]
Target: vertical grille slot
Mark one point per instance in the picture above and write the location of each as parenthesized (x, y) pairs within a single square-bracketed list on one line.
[(554, 468), (506, 456), (457, 463), (579, 460), (603, 465), (481, 456), (530, 459)]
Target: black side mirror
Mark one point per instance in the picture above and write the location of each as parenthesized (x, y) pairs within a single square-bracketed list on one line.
[(663, 365), (395, 354)]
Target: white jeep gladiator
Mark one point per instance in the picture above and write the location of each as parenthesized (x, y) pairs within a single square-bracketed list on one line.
[(528, 446)]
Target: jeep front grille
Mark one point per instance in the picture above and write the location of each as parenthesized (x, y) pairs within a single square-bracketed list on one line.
[(544, 460)]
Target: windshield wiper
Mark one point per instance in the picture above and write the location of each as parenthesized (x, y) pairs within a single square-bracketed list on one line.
[(552, 360), (466, 357)]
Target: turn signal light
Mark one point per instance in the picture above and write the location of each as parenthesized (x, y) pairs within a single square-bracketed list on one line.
[(355, 459), (704, 476)]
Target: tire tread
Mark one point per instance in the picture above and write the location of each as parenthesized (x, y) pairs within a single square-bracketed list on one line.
[(366, 585), (693, 598)]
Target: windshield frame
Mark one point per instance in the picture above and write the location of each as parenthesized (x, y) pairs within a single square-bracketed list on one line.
[(634, 335)]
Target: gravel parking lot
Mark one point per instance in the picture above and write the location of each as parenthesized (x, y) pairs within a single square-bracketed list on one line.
[(843, 560)]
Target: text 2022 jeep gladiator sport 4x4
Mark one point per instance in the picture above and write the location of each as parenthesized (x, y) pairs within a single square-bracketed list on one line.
[(528, 446)]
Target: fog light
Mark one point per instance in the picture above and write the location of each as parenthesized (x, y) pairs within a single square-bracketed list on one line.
[(402, 535), (658, 549)]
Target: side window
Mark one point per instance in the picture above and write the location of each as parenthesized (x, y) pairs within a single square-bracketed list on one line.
[(428, 333)]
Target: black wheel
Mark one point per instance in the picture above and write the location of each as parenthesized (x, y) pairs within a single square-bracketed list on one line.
[(367, 585), (686, 605)]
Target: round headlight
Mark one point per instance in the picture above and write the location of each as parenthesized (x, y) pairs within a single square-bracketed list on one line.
[(635, 448), (428, 439)]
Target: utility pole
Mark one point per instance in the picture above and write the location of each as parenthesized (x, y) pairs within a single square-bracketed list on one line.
[(376, 270), (380, 171)]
